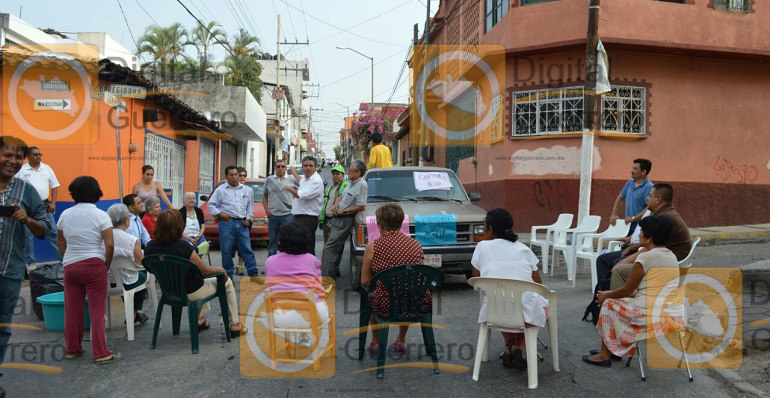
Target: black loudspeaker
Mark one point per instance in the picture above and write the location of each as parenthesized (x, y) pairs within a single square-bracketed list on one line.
[(150, 115)]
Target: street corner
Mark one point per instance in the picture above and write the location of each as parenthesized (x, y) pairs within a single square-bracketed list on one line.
[(49, 93), (458, 95), (709, 302), (291, 327)]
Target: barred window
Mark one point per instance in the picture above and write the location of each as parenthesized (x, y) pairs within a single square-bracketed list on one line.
[(528, 2), (624, 109), (495, 10), (733, 5), (548, 111), (560, 110)]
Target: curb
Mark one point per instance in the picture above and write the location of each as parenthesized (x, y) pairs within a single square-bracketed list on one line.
[(731, 377), (713, 237)]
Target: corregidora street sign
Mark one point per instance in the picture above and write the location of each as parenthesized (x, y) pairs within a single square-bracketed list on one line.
[(123, 90)]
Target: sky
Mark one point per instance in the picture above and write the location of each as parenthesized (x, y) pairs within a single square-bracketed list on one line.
[(383, 30)]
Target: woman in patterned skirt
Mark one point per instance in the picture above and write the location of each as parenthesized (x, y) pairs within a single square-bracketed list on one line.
[(623, 317), (391, 249)]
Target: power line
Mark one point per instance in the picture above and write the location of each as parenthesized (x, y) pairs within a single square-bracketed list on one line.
[(337, 27), (365, 69), (133, 38)]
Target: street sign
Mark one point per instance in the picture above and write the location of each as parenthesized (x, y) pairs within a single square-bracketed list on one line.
[(53, 104), (124, 90), (278, 94), (113, 100)]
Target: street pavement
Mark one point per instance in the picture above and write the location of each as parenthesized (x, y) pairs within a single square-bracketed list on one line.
[(171, 370)]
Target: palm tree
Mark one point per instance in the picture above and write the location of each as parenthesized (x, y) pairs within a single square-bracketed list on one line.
[(155, 43), (244, 70), (178, 39), (242, 43), (203, 37)]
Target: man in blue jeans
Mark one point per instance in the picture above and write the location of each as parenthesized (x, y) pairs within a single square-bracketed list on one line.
[(233, 205), (25, 212), (277, 203)]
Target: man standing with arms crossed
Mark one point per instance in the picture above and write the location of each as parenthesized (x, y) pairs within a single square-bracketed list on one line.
[(233, 205), (42, 177), (330, 198), (352, 201), (277, 203), (309, 198)]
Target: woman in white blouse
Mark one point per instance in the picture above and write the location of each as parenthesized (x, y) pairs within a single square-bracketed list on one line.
[(85, 240), (127, 245), (502, 256)]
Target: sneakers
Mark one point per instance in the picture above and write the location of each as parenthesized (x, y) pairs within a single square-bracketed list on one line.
[(239, 270)]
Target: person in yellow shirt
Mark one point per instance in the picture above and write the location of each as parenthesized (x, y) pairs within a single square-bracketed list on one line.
[(379, 156)]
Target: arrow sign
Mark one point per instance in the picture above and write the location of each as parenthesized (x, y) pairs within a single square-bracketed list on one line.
[(53, 104)]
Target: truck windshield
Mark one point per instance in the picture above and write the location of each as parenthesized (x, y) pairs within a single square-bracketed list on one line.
[(400, 186)]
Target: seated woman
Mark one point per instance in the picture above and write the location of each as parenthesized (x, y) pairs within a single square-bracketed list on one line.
[(391, 249), (295, 269), (168, 241), (501, 255), (623, 317), (127, 245), (152, 210), (193, 216)]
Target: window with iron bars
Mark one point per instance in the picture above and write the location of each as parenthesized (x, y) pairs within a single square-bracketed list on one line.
[(560, 110), (528, 2), (733, 5)]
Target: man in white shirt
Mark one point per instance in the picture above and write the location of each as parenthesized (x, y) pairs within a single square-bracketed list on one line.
[(308, 199), (135, 226), (42, 177), (233, 205)]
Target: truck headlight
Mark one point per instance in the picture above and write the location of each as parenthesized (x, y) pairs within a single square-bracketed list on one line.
[(478, 230), (208, 220), (262, 220)]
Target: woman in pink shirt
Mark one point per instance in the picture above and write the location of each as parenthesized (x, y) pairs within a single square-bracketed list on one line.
[(295, 269)]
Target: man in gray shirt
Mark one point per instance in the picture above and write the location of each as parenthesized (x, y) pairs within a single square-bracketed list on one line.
[(351, 201), (277, 203)]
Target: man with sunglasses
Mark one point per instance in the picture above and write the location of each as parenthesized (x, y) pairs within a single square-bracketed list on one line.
[(42, 177), (277, 203)]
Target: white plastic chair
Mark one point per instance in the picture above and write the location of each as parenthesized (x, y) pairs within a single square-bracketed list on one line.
[(504, 313), (563, 222), (119, 263), (586, 250), (565, 240), (684, 265), (307, 308)]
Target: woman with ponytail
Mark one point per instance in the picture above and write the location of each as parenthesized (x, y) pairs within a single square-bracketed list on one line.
[(502, 256)]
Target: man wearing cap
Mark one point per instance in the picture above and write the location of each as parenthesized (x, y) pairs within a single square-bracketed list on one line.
[(277, 203), (331, 195)]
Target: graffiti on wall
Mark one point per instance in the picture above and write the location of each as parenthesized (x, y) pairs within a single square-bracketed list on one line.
[(743, 173), (548, 194)]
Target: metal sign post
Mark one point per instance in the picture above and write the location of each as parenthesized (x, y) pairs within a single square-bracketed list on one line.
[(115, 102)]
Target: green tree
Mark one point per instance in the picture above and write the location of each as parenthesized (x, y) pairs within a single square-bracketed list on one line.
[(203, 37), (164, 45), (337, 152), (243, 68)]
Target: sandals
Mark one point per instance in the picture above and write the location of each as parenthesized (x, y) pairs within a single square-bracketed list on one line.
[(203, 326), (115, 357), (515, 359), (399, 349), (371, 349), (75, 356), (239, 332)]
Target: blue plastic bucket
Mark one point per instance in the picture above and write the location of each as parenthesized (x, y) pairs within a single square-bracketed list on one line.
[(53, 312)]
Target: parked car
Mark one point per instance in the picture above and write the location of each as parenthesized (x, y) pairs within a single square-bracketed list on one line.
[(398, 185), (259, 226)]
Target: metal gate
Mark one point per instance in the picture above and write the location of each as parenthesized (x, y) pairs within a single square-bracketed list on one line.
[(206, 168), (167, 158)]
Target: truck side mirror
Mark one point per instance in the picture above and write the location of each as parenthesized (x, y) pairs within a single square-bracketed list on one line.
[(474, 196)]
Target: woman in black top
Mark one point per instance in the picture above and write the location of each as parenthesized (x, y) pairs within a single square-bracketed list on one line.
[(168, 241)]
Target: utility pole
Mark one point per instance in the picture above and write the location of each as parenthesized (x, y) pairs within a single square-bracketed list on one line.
[(417, 149), (591, 102)]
